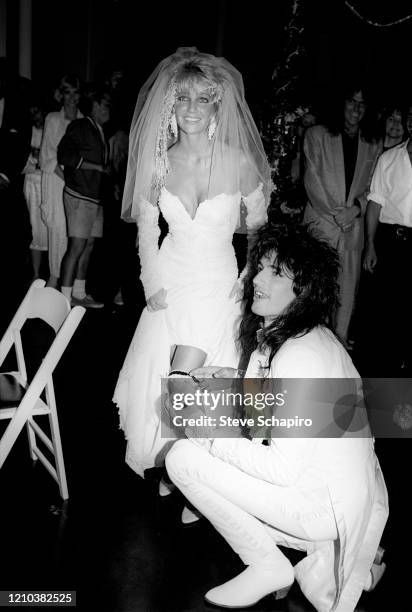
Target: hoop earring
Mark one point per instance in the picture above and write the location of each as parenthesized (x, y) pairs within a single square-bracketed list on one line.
[(212, 128), (173, 125)]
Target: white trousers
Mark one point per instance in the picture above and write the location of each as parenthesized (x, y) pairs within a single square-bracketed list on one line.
[(249, 513), (57, 248), (32, 193)]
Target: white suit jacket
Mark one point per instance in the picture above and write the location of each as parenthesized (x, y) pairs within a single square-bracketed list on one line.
[(333, 574)]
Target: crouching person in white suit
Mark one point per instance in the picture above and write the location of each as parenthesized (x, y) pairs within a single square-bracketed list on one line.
[(322, 495)]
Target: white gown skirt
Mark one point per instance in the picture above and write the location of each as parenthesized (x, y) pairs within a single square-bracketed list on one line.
[(199, 314)]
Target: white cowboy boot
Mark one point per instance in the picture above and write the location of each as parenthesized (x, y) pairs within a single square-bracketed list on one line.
[(249, 587)]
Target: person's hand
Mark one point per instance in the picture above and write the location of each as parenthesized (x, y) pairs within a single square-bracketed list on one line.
[(210, 377), (213, 372), (59, 171), (157, 301), (370, 259), (344, 216), (237, 291), (3, 183)]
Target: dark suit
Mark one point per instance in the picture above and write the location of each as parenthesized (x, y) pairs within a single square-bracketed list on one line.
[(15, 231)]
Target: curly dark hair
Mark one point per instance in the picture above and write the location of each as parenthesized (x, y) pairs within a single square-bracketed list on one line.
[(314, 266)]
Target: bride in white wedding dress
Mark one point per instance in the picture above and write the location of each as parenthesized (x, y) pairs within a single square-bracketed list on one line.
[(196, 156)]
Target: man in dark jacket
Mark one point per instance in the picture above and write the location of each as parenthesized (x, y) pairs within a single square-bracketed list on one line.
[(15, 231), (83, 153)]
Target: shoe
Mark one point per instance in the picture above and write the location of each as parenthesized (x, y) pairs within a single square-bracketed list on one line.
[(375, 575), (190, 516), (165, 488), (252, 585), (87, 302), (118, 299)]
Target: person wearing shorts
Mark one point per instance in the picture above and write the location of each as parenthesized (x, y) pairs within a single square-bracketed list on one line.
[(83, 154), (84, 218)]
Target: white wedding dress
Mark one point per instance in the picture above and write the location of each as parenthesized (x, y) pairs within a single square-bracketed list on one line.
[(196, 264)]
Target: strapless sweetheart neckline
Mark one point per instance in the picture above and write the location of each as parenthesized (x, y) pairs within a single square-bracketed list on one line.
[(219, 195)]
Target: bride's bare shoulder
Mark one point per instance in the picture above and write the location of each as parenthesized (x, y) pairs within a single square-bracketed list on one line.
[(238, 155)]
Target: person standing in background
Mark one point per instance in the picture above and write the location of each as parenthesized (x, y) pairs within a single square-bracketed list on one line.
[(393, 126), (53, 214), (15, 234), (32, 191), (119, 237), (83, 153), (388, 254), (339, 160), (392, 131)]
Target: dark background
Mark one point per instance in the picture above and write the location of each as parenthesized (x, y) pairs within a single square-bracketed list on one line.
[(87, 36)]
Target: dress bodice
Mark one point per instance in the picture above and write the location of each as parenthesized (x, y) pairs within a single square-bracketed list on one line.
[(195, 249), (219, 214), (199, 249)]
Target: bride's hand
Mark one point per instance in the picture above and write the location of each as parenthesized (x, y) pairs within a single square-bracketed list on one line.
[(157, 301), (210, 377), (213, 372), (237, 291)]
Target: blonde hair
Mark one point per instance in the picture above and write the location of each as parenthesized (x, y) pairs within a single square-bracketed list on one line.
[(199, 71)]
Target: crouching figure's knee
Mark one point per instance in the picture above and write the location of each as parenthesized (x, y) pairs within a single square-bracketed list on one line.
[(178, 458)]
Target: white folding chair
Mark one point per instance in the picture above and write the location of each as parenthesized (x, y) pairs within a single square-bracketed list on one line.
[(52, 307)]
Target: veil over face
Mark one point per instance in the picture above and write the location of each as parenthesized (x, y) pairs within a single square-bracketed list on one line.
[(238, 161)]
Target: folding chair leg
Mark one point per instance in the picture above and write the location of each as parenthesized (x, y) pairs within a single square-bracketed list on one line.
[(6, 443), (58, 455), (10, 435), (57, 444), (32, 442)]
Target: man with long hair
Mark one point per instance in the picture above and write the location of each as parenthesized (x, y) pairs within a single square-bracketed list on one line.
[(339, 159), (322, 495)]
